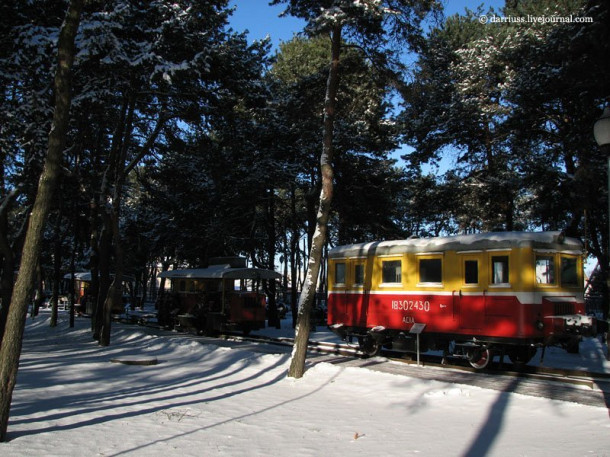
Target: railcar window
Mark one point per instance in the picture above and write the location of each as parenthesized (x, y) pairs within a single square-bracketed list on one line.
[(359, 274), (499, 269), (545, 269), (431, 270), (569, 273), (182, 286), (339, 273), (471, 272), (391, 271)]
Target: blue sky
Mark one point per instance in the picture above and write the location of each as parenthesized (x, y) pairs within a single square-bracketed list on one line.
[(261, 20)]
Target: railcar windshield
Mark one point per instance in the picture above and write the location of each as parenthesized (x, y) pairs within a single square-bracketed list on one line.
[(359, 274), (471, 272), (431, 270), (499, 268), (391, 271), (545, 269), (340, 273), (569, 271)]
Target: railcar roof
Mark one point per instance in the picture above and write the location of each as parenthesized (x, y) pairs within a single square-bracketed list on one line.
[(86, 276), (478, 241), (220, 272)]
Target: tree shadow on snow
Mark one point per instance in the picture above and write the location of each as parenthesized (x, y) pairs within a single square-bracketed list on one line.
[(488, 434), (174, 397), (232, 419)]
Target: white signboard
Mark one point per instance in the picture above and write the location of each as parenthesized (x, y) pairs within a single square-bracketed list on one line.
[(417, 328)]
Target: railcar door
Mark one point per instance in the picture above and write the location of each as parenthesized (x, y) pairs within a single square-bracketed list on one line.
[(361, 291), (348, 295), (469, 301), (470, 311)]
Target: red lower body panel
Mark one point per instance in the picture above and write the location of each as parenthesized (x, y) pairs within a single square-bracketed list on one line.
[(473, 315)]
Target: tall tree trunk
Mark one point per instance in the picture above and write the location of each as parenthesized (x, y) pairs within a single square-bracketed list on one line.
[(274, 318), (121, 144), (7, 276), (7, 256), (102, 275), (293, 282), (73, 296), (115, 292), (39, 296), (94, 256), (294, 247), (299, 352), (107, 224), (57, 258), (13, 335), (162, 302)]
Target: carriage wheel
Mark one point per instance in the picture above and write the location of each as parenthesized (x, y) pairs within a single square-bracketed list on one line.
[(369, 346), (573, 345), (520, 356), (480, 358)]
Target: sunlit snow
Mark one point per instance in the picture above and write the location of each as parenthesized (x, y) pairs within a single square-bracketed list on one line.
[(203, 399)]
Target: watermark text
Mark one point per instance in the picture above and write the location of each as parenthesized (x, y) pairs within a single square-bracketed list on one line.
[(531, 19)]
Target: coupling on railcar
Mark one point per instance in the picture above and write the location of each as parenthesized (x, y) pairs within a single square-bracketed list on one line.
[(475, 296)]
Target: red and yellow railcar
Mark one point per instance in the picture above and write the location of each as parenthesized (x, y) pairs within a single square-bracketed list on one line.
[(473, 295)]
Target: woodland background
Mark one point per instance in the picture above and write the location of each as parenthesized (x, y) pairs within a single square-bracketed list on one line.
[(188, 142)]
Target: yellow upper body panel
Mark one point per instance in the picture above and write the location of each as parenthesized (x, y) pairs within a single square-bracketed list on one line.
[(499, 262)]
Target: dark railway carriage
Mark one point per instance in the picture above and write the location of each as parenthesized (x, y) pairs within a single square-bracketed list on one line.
[(224, 296), (84, 301), (477, 295)]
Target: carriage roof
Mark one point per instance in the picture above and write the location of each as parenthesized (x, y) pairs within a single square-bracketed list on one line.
[(479, 241), (225, 271), (85, 276)]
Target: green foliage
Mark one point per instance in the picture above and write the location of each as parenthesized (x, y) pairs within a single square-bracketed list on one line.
[(363, 136), (514, 104), (225, 140)]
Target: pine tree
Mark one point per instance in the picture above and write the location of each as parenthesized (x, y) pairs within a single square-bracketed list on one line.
[(343, 20), (11, 344)]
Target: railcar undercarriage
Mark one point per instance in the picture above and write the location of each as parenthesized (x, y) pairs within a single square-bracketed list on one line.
[(478, 351)]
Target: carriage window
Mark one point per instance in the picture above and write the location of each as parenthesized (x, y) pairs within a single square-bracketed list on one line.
[(182, 286), (569, 272), (471, 272), (339, 273), (431, 270), (499, 269), (545, 269), (391, 271), (359, 274)]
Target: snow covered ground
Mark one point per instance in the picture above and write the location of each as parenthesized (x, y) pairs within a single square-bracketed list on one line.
[(203, 400)]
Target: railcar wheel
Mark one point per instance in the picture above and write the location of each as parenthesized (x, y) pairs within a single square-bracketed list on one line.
[(369, 346), (573, 346), (520, 356), (480, 358)]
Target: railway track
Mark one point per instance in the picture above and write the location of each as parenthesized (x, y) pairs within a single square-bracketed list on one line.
[(587, 388)]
